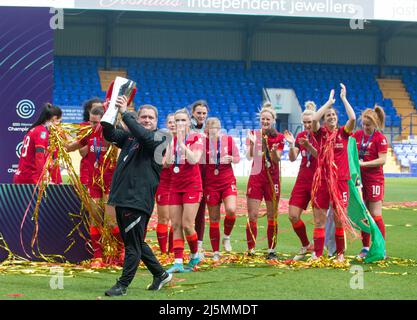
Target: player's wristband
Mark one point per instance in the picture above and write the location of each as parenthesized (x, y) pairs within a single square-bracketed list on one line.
[(291, 145)]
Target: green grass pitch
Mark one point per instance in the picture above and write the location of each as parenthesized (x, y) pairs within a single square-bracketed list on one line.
[(393, 281)]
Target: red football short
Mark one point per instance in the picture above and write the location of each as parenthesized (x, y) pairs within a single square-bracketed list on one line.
[(322, 199), (95, 190), (214, 198), (259, 188), (180, 198), (301, 194), (373, 191), (162, 196)]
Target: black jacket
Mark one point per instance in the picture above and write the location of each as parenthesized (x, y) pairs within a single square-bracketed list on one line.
[(139, 165)]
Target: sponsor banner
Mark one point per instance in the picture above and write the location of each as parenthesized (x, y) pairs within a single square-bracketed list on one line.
[(58, 216), (296, 8), (400, 10), (26, 78)]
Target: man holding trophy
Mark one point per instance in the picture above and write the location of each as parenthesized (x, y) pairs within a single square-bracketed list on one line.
[(135, 181)]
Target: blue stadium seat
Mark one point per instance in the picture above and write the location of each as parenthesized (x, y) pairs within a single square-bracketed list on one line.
[(233, 93)]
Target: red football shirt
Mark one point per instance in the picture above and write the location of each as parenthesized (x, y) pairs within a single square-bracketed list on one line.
[(340, 150), (31, 162), (85, 167), (97, 148), (259, 154), (371, 148), (307, 171), (225, 175), (55, 170), (188, 179)]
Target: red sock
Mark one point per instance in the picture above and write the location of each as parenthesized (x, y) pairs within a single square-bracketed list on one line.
[(366, 239), (272, 234), (340, 240), (192, 242), (178, 245), (300, 229), (318, 237), (381, 225), (229, 222), (95, 242), (215, 235), (162, 235), (171, 240), (251, 234)]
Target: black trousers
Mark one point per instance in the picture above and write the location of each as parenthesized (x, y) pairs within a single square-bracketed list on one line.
[(132, 224)]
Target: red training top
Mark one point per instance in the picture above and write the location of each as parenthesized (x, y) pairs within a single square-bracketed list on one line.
[(225, 175), (371, 146), (340, 150), (33, 155), (188, 178)]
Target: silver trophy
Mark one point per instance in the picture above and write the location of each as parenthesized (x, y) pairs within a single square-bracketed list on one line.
[(121, 87)]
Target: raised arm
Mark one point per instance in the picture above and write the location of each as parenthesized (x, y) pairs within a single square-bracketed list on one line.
[(350, 124), (306, 144), (74, 145), (294, 151), (192, 154), (83, 151), (115, 136), (276, 152), (320, 113), (250, 143)]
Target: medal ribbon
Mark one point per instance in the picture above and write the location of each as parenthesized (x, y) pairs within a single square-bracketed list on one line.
[(266, 149), (308, 152), (364, 146), (97, 150), (217, 163), (176, 152)]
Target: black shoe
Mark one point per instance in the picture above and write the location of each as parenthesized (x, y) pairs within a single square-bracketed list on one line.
[(272, 256), (159, 282), (116, 290)]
